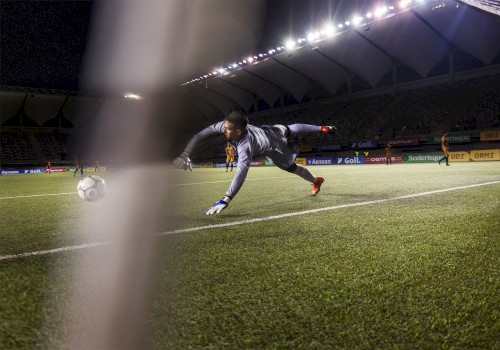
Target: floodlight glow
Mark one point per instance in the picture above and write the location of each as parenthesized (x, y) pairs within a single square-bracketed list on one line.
[(369, 15), (214, 72), (404, 3), (132, 96), (357, 20), (380, 11), (221, 70), (261, 55), (250, 59), (270, 52), (278, 48), (347, 23), (341, 25), (290, 44), (329, 30), (311, 36), (235, 65)]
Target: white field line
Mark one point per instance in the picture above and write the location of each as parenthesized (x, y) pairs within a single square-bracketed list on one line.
[(249, 221), (176, 185), (39, 195), (229, 180)]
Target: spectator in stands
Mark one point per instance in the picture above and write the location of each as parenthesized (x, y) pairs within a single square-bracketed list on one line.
[(251, 141)]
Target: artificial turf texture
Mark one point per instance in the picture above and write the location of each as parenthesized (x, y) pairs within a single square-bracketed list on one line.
[(409, 273)]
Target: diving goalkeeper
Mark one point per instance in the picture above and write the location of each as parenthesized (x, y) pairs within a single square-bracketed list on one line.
[(251, 142)]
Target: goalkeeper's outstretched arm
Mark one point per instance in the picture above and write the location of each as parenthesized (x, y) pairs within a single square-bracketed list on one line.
[(183, 161)]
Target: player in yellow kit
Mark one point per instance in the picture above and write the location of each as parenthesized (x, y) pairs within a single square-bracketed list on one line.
[(445, 147), (388, 155), (230, 151)]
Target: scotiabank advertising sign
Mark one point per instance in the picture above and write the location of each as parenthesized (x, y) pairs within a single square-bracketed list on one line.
[(431, 157), (452, 138), (410, 141), (485, 155), (382, 159)]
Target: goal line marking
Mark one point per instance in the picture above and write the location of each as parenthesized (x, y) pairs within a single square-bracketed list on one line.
[(249, 221)]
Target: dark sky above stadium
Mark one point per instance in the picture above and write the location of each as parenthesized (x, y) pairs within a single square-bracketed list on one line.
[(43, 42)]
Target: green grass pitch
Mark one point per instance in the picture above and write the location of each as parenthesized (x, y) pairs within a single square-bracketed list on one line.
[(360, 266)]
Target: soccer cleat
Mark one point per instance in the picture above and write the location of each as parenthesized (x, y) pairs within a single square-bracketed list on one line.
[(317, 185), (325, 129)]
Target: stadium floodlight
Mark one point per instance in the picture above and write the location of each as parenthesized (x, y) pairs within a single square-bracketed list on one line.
[(132, 96), (221, 70), (347, 23), (312, 36), (341, 26), (261, 55), (290, 44), (329, 30), (369, 15), (250, 59), (404, 3), (235, 65), (356, 21), (278, 48), (381, 11)]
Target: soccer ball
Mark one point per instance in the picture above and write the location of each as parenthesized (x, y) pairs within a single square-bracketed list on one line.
[(91, 188)]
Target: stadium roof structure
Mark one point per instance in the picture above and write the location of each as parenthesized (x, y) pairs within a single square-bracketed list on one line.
[(433, 38), (430, 39)]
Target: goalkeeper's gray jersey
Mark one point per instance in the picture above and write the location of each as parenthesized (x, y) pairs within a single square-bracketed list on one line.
[(260, 141)]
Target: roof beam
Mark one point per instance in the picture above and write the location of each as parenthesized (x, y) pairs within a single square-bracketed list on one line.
[(433, 29), (281, 88)]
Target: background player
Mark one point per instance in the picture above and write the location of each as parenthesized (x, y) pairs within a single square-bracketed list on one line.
[(252, 141), (230, 151), (49, 168), (388, 154), (79, 166), (446, 148)]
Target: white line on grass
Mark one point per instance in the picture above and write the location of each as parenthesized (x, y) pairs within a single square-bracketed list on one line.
[(39, 195), (249, 221), (222, 181), (176, 185)]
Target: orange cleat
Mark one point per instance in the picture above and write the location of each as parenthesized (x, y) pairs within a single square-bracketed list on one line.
[(317, 185)]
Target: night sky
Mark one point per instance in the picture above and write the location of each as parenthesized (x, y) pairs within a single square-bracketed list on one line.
[(43, 42)]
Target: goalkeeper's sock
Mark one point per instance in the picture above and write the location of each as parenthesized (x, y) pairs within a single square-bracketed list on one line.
[(304, 173), (301, 129)]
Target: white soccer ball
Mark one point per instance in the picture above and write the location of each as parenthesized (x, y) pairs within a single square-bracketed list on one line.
[(91, 188)]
